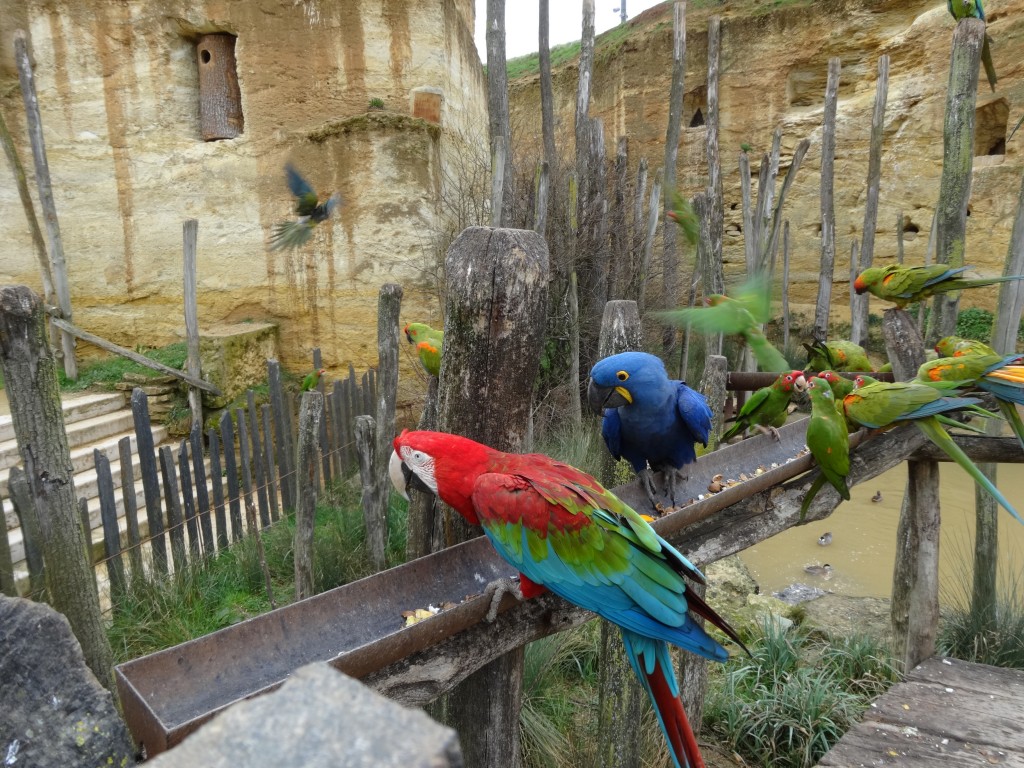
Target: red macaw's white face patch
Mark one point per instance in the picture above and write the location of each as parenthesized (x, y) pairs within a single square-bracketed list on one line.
[(421, 464)]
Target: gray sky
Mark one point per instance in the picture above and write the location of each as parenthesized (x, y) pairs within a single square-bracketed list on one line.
[(565, 22)]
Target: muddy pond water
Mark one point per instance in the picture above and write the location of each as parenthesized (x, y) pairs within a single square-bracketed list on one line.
[(863, 542)]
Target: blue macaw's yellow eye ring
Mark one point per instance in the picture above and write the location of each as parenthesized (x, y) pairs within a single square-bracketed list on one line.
[(621, 375), (625, 394)]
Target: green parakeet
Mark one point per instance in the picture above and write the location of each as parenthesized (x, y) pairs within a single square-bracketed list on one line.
[(972, 9), (905, 285), (837, 356), (682, 214), (768, 407), (955, 346), (740, 315), (429, 344), (828, 442), (293, 234), (311, 379), (881, 405)]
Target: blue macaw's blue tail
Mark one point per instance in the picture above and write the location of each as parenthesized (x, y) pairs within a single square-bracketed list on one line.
[(652, 664)]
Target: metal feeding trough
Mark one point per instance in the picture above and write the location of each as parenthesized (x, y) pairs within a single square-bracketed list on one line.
[(359, 628)]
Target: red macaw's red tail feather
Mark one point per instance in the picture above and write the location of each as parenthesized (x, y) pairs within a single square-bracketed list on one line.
[(681, 741)]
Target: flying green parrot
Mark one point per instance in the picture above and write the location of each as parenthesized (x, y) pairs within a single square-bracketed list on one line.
[(768, 407), (682, 214), (905, 285), (881, 405), (837, 356), (293, 234), (429, 343), (827, 440), (738, 315), (972, 9), (1001, 375), (311, 379)]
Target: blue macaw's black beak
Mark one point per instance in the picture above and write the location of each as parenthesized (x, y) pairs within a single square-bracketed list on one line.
[(599, 398)]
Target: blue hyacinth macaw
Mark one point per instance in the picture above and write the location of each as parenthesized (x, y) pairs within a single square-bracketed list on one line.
[(650, 420)]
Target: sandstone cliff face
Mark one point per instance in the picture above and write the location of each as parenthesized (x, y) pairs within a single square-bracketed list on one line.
[(118, 88), (773, 73)]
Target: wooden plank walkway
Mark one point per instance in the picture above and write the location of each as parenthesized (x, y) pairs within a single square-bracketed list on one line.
[(946, 713)]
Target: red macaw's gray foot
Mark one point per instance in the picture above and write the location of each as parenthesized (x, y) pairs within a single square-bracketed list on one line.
[(497, 589)]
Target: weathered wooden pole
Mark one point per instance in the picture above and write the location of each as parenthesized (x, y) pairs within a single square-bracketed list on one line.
[(190, 237), (915, 588), (638, 290), (30, 379), (670, 253), (828, 211), (422, 513), (621, 698), (547, 109), (717, 195), (859, 310), (957, 166), (389, 309), (495, 311), (497, 110), (311, 409), (367, 445), (58, 268)]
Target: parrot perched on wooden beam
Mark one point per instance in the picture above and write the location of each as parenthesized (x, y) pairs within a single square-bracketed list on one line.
[(294, 234), (836, 355), (429, 345), (905, 285), (881, 405), (650, 420), (312, 379), (828, 441), (566, 533), (767, 409), (972, 9)]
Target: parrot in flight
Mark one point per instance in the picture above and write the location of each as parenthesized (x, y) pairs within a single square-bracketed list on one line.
[(837, 356), (972, 9), (565, 532), (741, 314), (649, 419), (881, 405), (828, 441), (682, 214), (977, 365), (429, 343), (905, 285), (768, 407), (312, 379), (294, 234)]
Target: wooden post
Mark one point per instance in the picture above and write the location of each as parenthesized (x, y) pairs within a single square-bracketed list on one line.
[(497, 110), (785, 287), (175, 523), (670, 254), (227, 440), (217, 484), (30, 379), (542, 181), (766, 176), (257, 457), (282, 435), (131, 511), (202, 495), (957, 166), (111, 534), (495, 310), (244, 461), (716, 200), (7, 585), (620, 232), (325, 450), (190, 235), (423, 509), (915, 589), (621, 698), (771, 243), (21, 498), (640, 277), (389, 308), (547, 110), (367, 446), (58, 267), (859, 309), (828, 213), (188, 502), (899, 237), (311, 409), (270, 470)]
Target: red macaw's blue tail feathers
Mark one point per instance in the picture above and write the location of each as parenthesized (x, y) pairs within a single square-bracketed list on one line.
[(652, 664)]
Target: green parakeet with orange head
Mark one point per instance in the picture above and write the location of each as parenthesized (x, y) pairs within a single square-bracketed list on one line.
[(429, 344), (837, 356), (767, 408), (972, 9), (682, 214), (828, 441), (955, 346), (312, 379), (905, 285), (881, 405)]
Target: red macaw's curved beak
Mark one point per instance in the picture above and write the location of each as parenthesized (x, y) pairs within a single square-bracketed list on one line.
[(599, 397), (403, 478)]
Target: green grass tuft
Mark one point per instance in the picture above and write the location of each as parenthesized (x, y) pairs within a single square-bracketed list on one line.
[(106, 373)]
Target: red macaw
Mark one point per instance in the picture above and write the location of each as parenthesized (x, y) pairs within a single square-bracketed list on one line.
[(566, 533)]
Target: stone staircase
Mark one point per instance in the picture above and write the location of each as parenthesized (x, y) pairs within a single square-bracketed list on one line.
[(93, 422)]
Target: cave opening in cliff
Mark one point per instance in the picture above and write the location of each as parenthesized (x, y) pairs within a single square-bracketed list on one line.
[(990, 128)]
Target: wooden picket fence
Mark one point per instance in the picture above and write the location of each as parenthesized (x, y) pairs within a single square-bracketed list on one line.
[(209, 494)]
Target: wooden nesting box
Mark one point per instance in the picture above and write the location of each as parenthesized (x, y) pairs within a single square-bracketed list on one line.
[(220, 98)]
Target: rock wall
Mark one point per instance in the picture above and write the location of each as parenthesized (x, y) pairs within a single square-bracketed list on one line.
[(118, 88), (773, 71)]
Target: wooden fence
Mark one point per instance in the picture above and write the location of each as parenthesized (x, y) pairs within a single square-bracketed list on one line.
[(207, 494)]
